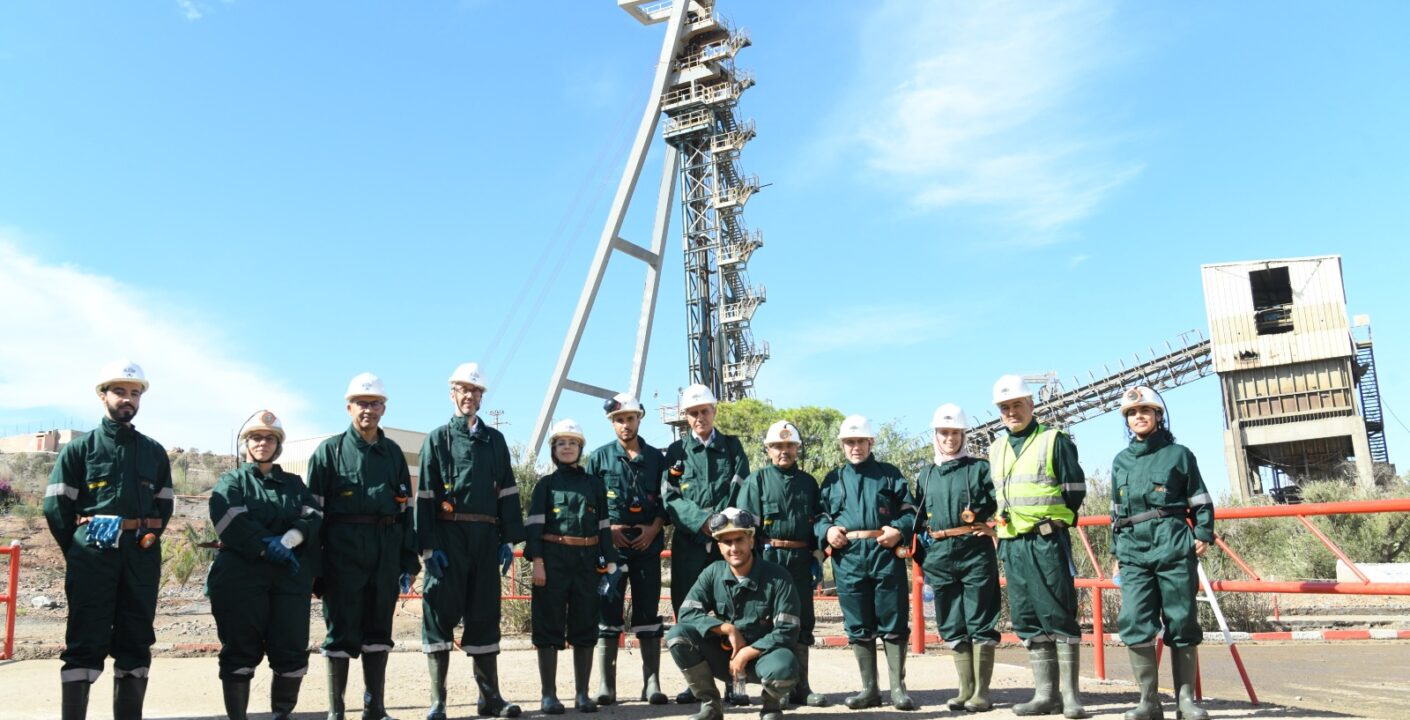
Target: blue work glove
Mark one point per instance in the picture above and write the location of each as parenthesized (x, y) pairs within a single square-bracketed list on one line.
[(405, 580), (924, 537), (276, 552), (104, 531), (815, 568), (506, 558), (437, 563), (607, 587)]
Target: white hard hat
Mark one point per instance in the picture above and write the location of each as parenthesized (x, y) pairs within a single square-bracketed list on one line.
[(855, 426), (469, 374), (263, 421), (623, 403), (1011, 387), (569, 429), (949, 416), (695, 396), (120, 371), (782, 431), (1141, 396), (366, 385)]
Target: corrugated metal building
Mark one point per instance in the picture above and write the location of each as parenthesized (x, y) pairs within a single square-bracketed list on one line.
[(297, 452), (1285, 356)]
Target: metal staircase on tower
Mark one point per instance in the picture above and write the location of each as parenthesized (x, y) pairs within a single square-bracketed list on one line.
[(1369, 390)]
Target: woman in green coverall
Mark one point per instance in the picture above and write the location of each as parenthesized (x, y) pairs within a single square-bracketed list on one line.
[(260, 584), (570, 545), (1157, 495), (954, 501)]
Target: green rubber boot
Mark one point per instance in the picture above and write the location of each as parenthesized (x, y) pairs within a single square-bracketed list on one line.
[(284, 695), (337, 685), (438, 666), (802, 693), (491, 703), (75, 702), (548, 680), (964, 668), (1042, 657), (651, 672), (1146, 670), (1186, 667), (772, 698), (128, 693), (983, 673), (896, 663), (702, 683), (606, 671), (1070, 669), (374, 683), (236, 694), (582, 677), (870, 696)]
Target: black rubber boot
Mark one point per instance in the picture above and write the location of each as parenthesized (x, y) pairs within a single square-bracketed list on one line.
[(236, 694), (773, 704), (1146, 670), (607, 671), (582, 677), (374, 682), (983, 673), (896, 664), (651, 672), (438, 665), (802, 693), (1070, 669), (870, 696), (548, 681), (964, 668), (337, 685), (702, 686), (75, 702), (284, 695), (1186, 665), (128, 694), (1042, 657), (490, 703)]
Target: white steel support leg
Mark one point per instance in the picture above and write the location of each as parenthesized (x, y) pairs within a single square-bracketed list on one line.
[(653, 270), (611, 230)]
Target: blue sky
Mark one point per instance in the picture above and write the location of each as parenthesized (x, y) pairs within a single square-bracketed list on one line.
[(258, 200)]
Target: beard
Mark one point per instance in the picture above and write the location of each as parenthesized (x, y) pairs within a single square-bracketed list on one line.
[(122, 413)]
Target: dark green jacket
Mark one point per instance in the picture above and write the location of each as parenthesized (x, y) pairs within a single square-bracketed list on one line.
[(569, 502), (247, 507), (349, 476), (763, 605), (866, 496), (785, 500), (633, 485), (474, 472), (944, 491), (711, 472), (113, 470), (1158, 474)]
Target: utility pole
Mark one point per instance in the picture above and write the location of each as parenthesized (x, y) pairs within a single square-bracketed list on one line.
[(496, 414)]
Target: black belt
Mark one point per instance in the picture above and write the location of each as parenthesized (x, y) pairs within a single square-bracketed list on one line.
[(1126, 522), (366, 519)]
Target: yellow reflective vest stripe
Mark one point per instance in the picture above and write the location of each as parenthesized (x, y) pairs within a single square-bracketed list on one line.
[(1026, 483)]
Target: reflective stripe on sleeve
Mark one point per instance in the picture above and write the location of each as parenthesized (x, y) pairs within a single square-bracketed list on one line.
[(604, 524), (229, 516), (61, 489), (787, 618), (692, 604), (311, 510), (1200, 499), (506, 492), (426, 494), (166, 493), (1074, 487), (534, 520)]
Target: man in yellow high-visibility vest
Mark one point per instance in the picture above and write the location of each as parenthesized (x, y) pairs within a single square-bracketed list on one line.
[(1040, 488)]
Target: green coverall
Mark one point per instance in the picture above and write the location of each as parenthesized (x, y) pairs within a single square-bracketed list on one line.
[(633, 498), (1042, 595), (871, 580), (711, 471), (260, 607), (1156, 488), (474, 473), (763, 605), (568, 503), (962, 569), (368, 538), (112, 594), (786, 501)]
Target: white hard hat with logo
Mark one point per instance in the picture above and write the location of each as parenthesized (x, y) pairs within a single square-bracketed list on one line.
[(697, 395), (567, 428), (855, 426), (263, 421), (1141, 396), (782, 431), (469, 374), (1011, 387), (623, 403), (120, 371), (366, 385), (949, 416)]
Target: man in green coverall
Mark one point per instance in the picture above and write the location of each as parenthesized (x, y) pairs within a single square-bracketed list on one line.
[(467, 520), (738, 623), (361, 479), (867, 518), (703, 469), (108, 500), (1040, 488), (630, 470), (785, 498)]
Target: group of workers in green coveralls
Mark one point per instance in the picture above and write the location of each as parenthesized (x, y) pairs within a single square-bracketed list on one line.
[(748, 548)]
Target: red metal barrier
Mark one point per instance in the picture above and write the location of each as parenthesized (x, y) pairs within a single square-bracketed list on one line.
[(10, 597)]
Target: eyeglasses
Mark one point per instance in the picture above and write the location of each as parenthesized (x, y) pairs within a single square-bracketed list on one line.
[(260, 438), (464, 390), (370, 404), (744, 520)]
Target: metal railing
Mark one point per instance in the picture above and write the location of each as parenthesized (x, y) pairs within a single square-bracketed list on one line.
[(10, 597)]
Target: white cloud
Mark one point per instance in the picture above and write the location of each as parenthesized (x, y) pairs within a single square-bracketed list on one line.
[(982, 104), (189, 10), (62, 323)]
